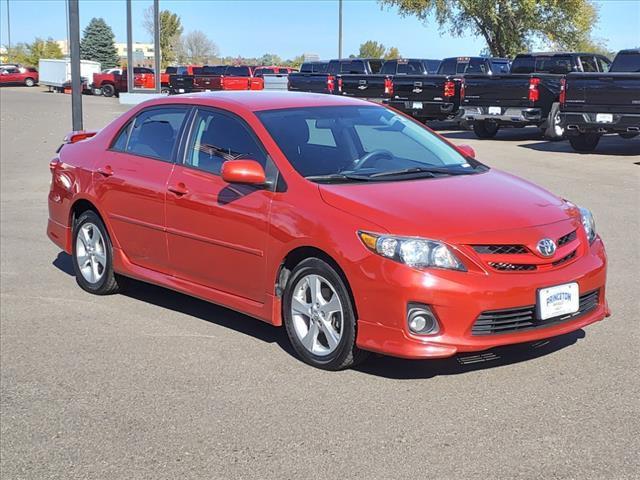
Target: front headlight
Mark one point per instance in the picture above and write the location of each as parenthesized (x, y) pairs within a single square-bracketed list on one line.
[(588, 223), (415, 252)]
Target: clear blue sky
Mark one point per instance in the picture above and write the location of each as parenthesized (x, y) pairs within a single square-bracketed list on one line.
[(289, 28)]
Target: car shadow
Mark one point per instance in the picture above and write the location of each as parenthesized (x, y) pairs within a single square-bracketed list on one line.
[(608, 145), (376, 365), (506, 134)]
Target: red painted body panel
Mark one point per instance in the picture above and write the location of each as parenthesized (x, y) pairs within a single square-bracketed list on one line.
[(17, 76), (191, 231)]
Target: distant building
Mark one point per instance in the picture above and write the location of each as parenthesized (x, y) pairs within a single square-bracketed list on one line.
[(64, 46), (3, 55), (311, 57), (143, 53)]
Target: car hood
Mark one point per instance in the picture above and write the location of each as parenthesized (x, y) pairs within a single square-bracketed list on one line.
[(450, 207)]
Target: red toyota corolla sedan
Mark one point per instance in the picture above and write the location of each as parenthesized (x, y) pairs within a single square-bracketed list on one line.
[(356, 227)]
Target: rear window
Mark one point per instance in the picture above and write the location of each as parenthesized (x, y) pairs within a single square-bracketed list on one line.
[(499, 67), (354, 67), (448, 66), (264, 71), (413, 67), (626, 62), (283, 70), (523, 65), (215, 70), (238, 71), (142, 70), (155, 132), (432, 65), (542, 64), (320, 67)]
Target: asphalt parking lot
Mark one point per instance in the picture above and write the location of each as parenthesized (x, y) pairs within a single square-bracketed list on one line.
[(154, 384)]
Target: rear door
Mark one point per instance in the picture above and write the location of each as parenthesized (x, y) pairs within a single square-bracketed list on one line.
[(130, 181), (217, 232)]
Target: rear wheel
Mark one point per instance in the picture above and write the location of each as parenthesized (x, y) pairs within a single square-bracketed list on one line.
[(584, 143), (108, 90), (29, 82), (165, 90), (554, 131), (319, 317), (485, 129), (93, 255)]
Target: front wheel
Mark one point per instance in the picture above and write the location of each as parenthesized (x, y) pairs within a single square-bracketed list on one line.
[(108, 90), (584, 143), (93, 255), (485, 129), (29, 82), (319, 317)]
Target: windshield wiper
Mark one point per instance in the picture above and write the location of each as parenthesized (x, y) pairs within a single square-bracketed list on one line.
[(429, 171), (338, 177)]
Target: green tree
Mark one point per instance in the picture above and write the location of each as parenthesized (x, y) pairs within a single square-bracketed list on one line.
[(29, 54), (392, 53), (508, 27), (270, 59), (170, 31), (371, 49), (97, 44)]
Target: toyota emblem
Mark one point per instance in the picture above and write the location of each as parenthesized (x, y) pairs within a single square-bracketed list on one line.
[(546, 247)]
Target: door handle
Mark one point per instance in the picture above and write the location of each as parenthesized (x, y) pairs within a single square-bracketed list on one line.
[(179, 189), (105, 171)]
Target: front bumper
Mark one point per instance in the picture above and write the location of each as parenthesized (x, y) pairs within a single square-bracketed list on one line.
[(515, 116), (576, 123), (458, 298)]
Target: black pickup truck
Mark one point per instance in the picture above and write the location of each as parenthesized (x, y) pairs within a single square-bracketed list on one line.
[(436, 96), (592, 104), (529, 95), (358, 77)]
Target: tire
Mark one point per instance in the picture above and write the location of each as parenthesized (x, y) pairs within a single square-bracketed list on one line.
[(29, 82), (93, 255), (628, 135), (554, 131), (485, 129), (108, 90), (584, 143), (166, 90), (315, 348)]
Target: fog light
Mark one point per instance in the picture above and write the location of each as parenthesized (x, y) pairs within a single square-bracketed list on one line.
[(421, 319)]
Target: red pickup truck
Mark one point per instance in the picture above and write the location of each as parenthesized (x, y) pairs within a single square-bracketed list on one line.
[(113, 83), (14, 75), (220, 77)]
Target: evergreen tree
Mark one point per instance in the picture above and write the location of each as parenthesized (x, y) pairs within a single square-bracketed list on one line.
[(97, 44)]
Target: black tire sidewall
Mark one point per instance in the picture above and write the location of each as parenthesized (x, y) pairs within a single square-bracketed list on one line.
[(550, 131), (585, 143), (336, 359), (108, 90), (484, 129), (100, 286)]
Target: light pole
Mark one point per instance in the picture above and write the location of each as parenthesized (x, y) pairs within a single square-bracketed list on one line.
[(8, 33), (76, 81), (339, 29)]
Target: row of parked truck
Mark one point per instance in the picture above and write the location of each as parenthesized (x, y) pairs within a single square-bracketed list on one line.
[(579, 96)]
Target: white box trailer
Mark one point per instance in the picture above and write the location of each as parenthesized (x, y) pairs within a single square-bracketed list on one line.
[(57, 73)]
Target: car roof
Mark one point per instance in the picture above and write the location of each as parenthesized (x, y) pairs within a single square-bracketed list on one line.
[(254, 101)]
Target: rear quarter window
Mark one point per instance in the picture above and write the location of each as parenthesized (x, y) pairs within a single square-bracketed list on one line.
[(155, 132)]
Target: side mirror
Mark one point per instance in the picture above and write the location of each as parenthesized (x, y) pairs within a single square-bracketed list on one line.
[(248, 172), (467, 150)]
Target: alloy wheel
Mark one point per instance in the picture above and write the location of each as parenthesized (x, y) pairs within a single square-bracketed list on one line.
[(91, 253)]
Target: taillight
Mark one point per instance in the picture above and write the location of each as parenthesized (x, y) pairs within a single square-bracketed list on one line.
[(388, 87), (534, 93), (563, 91), (340, 85), (78, 136), (330, 83), (462, 90), (222, 82), (449, 88)]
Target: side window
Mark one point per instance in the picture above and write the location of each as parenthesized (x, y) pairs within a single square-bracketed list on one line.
[(588, 63), (120, 143), (216, 138), (603, 64), (155, 132)]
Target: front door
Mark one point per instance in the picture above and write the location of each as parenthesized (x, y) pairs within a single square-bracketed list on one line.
[(131, 183), (217, 232)]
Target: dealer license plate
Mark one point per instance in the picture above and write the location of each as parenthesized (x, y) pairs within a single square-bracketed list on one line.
[(558, 301), (495, 110), (181, 90), (416, 105), (604, 117)]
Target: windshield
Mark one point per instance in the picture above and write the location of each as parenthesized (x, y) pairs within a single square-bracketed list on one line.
[(343, 143)]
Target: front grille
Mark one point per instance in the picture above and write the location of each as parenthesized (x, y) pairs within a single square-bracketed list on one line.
[(564, 259), (524, 318), (568, 238), (512, 267), (500, 249)]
